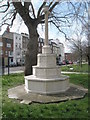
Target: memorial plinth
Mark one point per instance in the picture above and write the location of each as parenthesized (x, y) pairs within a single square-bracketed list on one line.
[(47, 77)]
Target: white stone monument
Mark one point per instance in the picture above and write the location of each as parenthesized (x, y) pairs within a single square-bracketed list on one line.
[(46, 78)]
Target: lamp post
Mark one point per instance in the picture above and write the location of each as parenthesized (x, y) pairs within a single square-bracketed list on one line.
[(8, 63)]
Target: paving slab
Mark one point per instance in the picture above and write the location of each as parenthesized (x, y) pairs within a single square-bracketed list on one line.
[(19, 93)]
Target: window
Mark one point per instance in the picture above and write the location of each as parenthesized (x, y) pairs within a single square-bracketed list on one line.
[(10, 53), (41, 40), (8, 45), (19, 45), (11, 59), (42, 44), (1, 44), (16, 45)]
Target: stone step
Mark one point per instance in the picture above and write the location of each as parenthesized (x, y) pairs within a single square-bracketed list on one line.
[(46, 60), (46, 72), (46, 86)]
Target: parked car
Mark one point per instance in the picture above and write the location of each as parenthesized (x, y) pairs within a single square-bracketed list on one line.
[(63, 63), (78, 61), (70, 62), (12, 64), (59, 63), (66, 61)]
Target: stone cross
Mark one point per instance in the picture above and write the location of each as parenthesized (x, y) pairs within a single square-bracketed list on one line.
[(46, 25)]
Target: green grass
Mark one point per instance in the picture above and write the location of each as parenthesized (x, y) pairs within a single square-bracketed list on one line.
[(79, 79), (76, 68), (12, 109)]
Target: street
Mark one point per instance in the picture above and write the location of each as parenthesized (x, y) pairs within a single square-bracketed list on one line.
[(18, 69)]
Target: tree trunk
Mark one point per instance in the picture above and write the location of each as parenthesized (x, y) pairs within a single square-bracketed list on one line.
[(81, 59), (32, 50), (88, 59)]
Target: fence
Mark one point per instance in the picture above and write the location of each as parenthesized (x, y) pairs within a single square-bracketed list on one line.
[(9, 70)]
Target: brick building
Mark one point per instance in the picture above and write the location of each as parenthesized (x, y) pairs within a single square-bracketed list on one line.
[(69, 57), (6, 47)]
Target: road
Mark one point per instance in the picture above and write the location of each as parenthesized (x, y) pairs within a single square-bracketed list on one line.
[(18, 69)]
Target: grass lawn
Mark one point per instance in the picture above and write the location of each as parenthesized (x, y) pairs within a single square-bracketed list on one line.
[(76, 68), (12, 109)]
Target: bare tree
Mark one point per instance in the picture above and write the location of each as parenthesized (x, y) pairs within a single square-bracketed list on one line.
[(86, 30), (80, 47), (77, 45), (62, 14), (86, 53)]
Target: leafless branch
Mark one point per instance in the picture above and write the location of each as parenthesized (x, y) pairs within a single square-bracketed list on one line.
[(51, 3), (8, 5), (10, 12), (60, 30), (14, 16), (33, 10), (53, 6), (5, 24), (23, 12), (39, 11)]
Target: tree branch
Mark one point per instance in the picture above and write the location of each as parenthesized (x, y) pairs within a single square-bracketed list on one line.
[(38, 14), (33, 10), (53, 6), (59, 29), (51, 3), (8, 5), (14, 16), (11, 12), (27, 4), (24, 13)]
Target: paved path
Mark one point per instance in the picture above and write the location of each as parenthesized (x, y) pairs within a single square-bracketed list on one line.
[(66, 72)]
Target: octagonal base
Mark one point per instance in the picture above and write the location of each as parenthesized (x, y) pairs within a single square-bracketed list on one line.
[(46, 86)]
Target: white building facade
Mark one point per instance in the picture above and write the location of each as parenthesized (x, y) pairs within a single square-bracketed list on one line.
[(19, 47), (58, 49), (24, 43), (62, 52), (17, 54)]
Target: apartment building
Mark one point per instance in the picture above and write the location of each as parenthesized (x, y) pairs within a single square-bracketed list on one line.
[(6, 48), (13, 46), (24, 42), (17, 48)]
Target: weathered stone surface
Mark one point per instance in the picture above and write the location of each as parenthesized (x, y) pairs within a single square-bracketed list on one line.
[(46, 86), (19, 93)]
